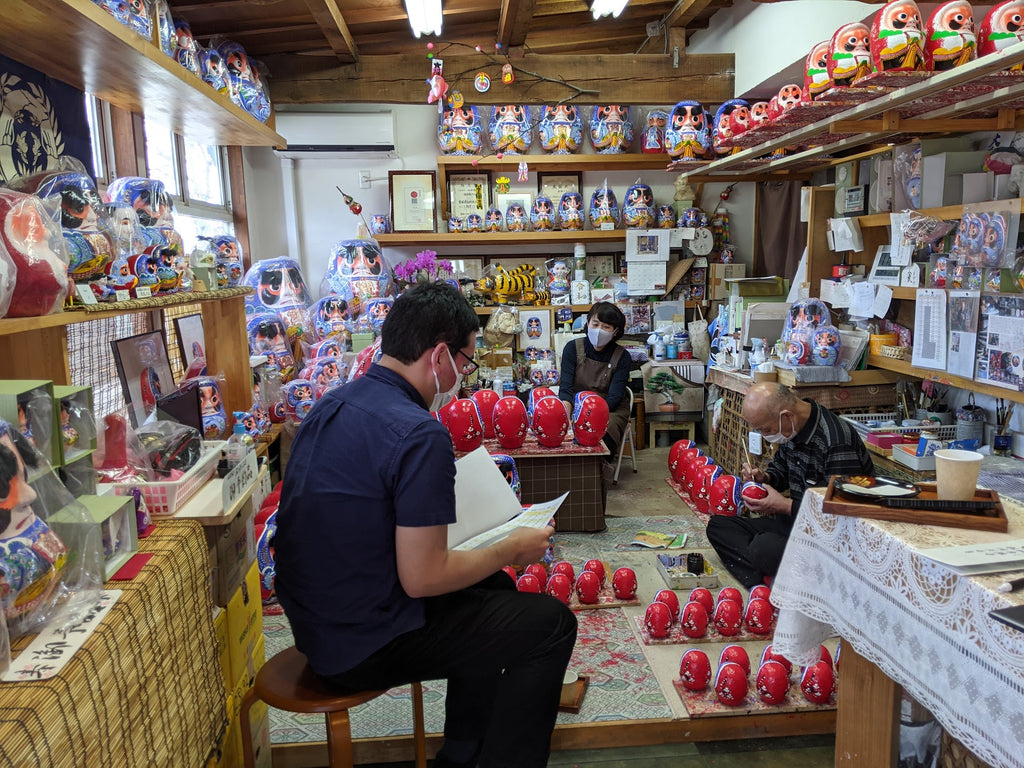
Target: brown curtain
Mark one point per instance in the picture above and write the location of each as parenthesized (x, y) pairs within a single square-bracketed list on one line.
[(781, 236)]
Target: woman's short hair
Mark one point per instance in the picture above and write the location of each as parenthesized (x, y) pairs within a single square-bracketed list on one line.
[(608, 313)]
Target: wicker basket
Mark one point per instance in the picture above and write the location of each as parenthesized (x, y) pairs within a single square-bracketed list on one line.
[(896, 353)]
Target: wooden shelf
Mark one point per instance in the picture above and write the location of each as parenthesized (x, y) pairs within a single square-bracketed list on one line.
[(891, 125), (81, 44), (503, 238), (946, 212), (545, 163), (941, 377)]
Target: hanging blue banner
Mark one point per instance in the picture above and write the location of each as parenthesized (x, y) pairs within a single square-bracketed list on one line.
[(40, 120)]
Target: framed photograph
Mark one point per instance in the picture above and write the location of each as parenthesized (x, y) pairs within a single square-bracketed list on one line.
[(554, 185), (413, 202), (536, 328), (469, 193), (505, 199), (191, 340), (145, 372)]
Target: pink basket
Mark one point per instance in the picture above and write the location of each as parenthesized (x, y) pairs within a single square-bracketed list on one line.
[(164, 498)]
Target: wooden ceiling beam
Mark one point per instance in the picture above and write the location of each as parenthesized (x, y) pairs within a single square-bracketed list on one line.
[(514, 22), (685, 12), (614, 79), (450, 10), (330, 19)]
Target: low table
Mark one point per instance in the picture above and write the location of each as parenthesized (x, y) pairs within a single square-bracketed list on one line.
[(546, 473), (673, 421)]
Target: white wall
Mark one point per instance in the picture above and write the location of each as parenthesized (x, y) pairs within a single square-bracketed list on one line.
[(277, 187)]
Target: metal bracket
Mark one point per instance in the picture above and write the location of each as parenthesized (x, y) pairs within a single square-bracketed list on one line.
[(675, 57)]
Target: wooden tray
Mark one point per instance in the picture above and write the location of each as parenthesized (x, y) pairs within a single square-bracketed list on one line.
[(572, 695), (994, 521)]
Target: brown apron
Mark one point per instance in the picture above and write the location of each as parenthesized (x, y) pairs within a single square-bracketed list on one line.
[(596, 376)]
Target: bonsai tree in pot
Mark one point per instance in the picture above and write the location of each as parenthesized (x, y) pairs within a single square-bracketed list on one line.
[(665, 383)]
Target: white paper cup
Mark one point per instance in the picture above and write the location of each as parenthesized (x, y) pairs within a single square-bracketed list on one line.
[(956, 473)]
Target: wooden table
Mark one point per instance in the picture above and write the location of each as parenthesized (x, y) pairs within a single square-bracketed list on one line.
[(908, 622), (546, 473)]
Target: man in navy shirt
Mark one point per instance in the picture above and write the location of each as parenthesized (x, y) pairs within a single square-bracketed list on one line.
[(374, 596)]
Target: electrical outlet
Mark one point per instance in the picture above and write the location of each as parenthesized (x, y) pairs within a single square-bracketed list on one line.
[(653, 28), (364, 179)]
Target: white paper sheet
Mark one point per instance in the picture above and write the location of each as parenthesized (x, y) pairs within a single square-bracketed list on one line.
[(930, 329), (963, 332), (532, 516), (646, 277), (883, 298), (863, 299), (483, 499), (987, 557), (846, 235), (902, 249)]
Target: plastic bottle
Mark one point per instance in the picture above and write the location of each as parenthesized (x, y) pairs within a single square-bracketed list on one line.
[(239, 444), (659, 348), (684, 346)]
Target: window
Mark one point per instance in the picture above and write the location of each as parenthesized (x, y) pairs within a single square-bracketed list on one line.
[(97, 113), (195, 174)]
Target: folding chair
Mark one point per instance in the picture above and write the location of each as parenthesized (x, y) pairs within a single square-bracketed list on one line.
[(627, 437)]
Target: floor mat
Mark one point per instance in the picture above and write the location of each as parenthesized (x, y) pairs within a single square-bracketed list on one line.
[(704, 517)]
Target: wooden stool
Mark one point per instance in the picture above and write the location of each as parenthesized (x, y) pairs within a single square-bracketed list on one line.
[(286, 682), (654, 427)]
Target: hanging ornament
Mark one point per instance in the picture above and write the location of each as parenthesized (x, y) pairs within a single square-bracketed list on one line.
[(482, 82), (503, 184), (353, 206), (455, 100), (524, 171), (506, 73), (438, 87)]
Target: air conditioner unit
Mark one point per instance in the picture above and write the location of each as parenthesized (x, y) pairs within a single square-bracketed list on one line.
[(337, 134)]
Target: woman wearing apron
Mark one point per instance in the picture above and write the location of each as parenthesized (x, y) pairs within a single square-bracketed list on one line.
[(597, 363)]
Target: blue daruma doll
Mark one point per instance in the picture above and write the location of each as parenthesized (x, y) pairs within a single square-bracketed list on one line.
[(638, 210), (604, 209)]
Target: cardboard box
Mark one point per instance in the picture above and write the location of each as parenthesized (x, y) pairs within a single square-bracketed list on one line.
[(232, 550), (81, 418), (114, 516), (498, 357), (220, 629), (717, 287), (940, 182), (245, 624), (33, 400)]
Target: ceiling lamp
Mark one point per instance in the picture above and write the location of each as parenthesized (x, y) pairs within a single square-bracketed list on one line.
[(424, 16), (606, 7)]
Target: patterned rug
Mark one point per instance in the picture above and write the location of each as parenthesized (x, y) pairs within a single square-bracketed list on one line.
[(622, 686), (623, 683), (704, 517)]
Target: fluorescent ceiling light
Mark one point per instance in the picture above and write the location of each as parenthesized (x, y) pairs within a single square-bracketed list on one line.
[(424, 16), (606, 7)]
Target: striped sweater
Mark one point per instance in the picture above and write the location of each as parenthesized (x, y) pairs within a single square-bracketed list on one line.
[(825, 446)]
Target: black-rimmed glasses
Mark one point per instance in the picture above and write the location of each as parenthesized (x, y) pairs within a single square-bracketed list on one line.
[(469, 367)]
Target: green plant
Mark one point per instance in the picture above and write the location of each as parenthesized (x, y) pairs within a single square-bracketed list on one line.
[(665, 383)]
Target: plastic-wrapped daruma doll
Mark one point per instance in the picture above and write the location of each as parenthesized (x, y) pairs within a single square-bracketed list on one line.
[(36, 247), (31, 555)]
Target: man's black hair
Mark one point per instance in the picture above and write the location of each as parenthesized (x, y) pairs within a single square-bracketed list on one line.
[(422, 317)]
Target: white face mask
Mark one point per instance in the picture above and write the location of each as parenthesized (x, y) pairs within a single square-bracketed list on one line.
[(778, 437), (598, 336), (441, 399)]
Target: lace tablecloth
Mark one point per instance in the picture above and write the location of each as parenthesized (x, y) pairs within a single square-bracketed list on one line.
[(922, 624)]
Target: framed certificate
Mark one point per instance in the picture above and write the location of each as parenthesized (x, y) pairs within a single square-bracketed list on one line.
[(469, 193), (413, 204), (554, 185)]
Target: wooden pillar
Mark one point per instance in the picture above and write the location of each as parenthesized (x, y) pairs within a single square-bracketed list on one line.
[(239, 213), (129, 141), (867, 717)]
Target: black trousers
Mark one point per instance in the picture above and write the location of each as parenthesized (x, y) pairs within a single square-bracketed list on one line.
[(504, 655), (750, 547)]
